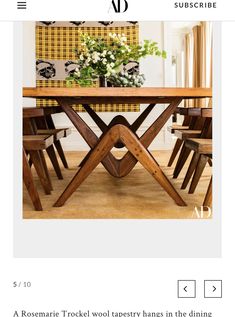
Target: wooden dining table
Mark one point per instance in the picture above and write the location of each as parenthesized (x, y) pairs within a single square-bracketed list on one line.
[(119, 132)]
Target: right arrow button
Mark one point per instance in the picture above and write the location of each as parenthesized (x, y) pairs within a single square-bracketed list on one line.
[(213, 288)]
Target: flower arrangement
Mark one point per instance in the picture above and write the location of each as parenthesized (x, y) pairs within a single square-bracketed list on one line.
[(98, 59), (124, 79)]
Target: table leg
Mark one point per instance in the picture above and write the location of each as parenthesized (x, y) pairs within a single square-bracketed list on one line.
[(96, 155), (137, 123), (29, 183), (109, 162), (116, 167), (128, 162), (121, 133), (104, 127), (100, 123), (141, 154)]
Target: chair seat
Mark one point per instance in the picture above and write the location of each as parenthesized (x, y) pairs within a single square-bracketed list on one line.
[(174, 127), (185, 134), (37, 142), (201, 146), (67, 131), (57, 133)]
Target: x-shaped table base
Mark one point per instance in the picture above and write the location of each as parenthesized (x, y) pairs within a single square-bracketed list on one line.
[(119, 133)]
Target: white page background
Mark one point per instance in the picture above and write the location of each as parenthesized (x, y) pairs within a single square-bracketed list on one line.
[(114, 283)]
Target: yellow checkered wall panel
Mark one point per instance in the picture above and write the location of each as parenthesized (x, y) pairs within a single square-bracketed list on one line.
[(57, 43), (60, 42)]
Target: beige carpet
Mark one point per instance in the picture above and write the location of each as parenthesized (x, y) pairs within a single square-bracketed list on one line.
[(101, 196)]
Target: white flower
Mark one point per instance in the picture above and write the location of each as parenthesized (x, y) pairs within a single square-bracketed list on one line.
[(104, 53), (81, 57), (112, 65), (95, 57), (87, 62), (110, 70), (112, 57), (104, 61), (77, 72)]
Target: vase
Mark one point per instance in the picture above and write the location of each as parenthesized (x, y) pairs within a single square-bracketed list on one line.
[(102, 81)]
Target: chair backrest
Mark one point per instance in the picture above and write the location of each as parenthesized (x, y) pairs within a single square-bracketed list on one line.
[(200, 112), (30, 116), (32, 112), (202, 119), (207, 112)]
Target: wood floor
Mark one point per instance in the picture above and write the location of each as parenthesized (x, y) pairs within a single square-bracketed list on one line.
[(101, 196)]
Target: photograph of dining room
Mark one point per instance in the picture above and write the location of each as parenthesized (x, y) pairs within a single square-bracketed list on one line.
[(117, 120)]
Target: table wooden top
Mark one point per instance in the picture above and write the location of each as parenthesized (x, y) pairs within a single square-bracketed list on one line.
[(117, 95)]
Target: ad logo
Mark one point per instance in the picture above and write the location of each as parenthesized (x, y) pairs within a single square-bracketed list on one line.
[(202, 212), (119, 6)]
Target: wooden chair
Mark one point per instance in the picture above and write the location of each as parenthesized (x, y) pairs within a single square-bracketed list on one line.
[(200, 125), (30, 128), (203, 148), (29, 183), (208, 198), (48, 112), (34, 146), (188, 123), (202, 153), (35, 122), (176, 126), (207, 135)]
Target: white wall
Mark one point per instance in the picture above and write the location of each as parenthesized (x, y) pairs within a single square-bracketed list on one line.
[(157, 72)]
